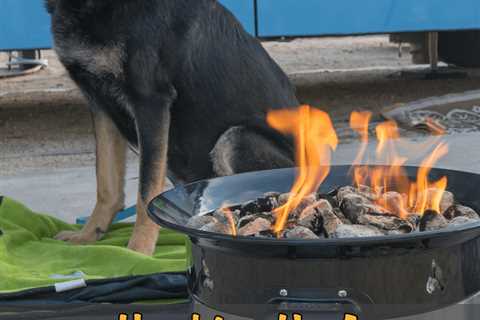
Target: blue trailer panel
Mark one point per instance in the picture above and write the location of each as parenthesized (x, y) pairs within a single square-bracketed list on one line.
[(343, 17), (244, 10), (24, 24)]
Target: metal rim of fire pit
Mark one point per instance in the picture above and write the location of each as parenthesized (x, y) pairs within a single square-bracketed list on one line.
[(156, 212)]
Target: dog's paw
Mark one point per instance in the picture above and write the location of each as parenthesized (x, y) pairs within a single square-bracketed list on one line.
[(77, 237), (144, 247), (141, 243)]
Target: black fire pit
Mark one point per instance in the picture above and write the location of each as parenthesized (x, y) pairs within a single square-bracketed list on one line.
[(376, 278)]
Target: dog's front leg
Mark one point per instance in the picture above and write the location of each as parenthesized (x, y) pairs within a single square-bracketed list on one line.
[(153, 125), (111, 150)]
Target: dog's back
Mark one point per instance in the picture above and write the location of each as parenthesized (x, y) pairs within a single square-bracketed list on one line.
[(224, 78)]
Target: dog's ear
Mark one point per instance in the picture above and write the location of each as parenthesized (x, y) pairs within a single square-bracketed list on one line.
[(50, 5)]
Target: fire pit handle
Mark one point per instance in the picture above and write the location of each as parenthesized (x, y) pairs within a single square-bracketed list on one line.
[(325, 309)]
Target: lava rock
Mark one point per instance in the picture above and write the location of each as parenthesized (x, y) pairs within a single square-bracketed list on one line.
[(269, 201), (250, 207), (320, 216), (356, 231), (272, 194), (354, 206), (414, 219), (300, 233), (385, 222), (460, 221), (242, 222), (266, 234), (222, 216), (395, 232), (283, 198), (331, 197), (330, 223), (367, 192), (461, 211), (199, 222), (448, 200), (217, 227), (306, 202), (345, 191), (341, 216), (255, 227), (246, 220), (432, 221), (311, 216), (395, 202)]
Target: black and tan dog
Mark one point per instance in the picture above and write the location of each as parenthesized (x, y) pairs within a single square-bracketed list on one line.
[(180, 81)]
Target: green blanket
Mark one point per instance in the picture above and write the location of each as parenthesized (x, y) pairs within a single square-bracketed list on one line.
[(30, 258)]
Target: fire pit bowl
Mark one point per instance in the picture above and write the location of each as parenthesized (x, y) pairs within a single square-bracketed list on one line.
[(376, 278)]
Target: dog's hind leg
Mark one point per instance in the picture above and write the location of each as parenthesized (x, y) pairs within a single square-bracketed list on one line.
[(242, 149), (110, 167)]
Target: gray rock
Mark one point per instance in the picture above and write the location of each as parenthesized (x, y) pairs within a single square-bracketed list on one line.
[(345, 191), (217, 227), (301, 233), (310, 215), (283, 198), (432, 221), (386, 222), (461, 211), (199, 222), (460, 221), (356, 231), (353, 206), (414, 219), (306, 202), (395, 202), (222, 215), (341, 216), (320, 215), (367, 192), (254, 227), (448, 200)]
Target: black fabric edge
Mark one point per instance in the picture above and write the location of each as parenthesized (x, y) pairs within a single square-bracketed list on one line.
[(25, 294)]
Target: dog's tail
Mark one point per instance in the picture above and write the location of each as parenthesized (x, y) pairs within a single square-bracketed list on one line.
[(50, 5)]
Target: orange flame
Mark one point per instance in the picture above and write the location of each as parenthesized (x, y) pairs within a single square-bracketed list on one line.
[(359, 122), (413, 197), (429, 194), (315, 138), (231, 221)]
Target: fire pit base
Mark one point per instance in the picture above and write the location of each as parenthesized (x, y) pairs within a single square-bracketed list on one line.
[(385, 277), (465, 310)]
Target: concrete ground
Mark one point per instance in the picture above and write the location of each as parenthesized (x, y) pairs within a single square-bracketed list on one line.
[(46, 138)]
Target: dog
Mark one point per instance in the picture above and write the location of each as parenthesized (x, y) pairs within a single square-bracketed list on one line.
[(180, 81)]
